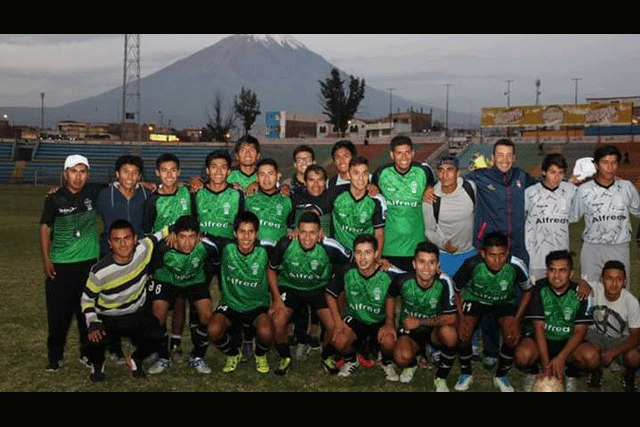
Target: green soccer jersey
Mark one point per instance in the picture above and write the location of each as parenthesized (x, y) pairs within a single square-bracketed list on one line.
[(217, 211), (478, 283), (275, 212), (404, 227), (162, 210), (243, 284), (181, 269), (73, 221), (437, 299), (560, 312), (364, 296), (306, 270), (238, 176), (351, 217)]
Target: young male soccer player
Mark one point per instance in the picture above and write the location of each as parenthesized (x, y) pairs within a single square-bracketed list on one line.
[(606, 203), (560, 321), (616, 325), (353, 211), (245, 298), (179, 272), (364, 326), (69, 243), (547, 206), (303, 157), (114, 301), (486, 283), (341, 153), (274, 210), (427, 315), (314, 195), (403, 183), (302, 268), (247, 152)]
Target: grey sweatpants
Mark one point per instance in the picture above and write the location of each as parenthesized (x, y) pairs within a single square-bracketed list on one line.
[(593, 256)]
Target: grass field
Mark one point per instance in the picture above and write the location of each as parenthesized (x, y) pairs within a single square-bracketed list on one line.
[(24, 333)]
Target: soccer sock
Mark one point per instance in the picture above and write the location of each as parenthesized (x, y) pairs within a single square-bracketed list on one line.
[(387, 359), (163, 351), (328, 351), (283, 350), (350, 357), (447, 357), (176, 340), (247, 333), (505, 361), (201, 341), (261, 347), (226, 345), (465, 354)]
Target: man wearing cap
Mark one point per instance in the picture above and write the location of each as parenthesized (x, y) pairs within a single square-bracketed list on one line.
[(69, 243), (448, 220)]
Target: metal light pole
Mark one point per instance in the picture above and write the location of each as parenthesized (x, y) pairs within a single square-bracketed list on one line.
[(446, 115), (508, 92), (390, 110), (576, 80)]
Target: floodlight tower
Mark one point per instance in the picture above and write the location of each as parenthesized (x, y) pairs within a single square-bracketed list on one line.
[(537, 90), (131, 82)]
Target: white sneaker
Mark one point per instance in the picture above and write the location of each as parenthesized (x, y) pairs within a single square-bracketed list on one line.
[(199, 365), (407, 374), (503, 384), (348, 368), (160, 366), (390, 371), (441, 385), (570, 384), (464, 381)]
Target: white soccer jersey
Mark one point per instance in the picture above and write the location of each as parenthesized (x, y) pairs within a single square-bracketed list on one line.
[(546, 226), (606, 211), (614, 318)]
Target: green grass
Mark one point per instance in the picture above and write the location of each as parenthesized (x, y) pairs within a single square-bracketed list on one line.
[(23, 328)]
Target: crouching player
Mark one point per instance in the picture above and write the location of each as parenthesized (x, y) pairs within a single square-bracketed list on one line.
[(364, 326), (487, 283), (560, 321), (427, 315), (245, 299)]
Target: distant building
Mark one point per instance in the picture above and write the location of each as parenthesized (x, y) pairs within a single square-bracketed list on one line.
[(71, 129)]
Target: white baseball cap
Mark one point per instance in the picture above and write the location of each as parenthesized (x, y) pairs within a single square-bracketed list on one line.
[(75, 159)]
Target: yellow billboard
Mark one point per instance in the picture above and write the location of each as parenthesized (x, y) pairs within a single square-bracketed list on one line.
[(619, 113)]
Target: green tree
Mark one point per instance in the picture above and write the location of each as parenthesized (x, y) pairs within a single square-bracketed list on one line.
[(247, 108), (336, 103), (220, 127)]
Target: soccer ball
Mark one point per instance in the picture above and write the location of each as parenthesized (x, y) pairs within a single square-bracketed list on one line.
[(547, 384)]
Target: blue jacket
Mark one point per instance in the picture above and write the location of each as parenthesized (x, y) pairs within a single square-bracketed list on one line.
[(500, 206)]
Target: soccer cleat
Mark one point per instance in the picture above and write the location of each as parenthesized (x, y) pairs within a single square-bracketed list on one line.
[(441, 385), (232, 363), (199, 365), (348, 368), (53, 366), (262, 365), (570, 384), (503, 384), (364, 362), (135, 368), (160, 366), (97, 373), (464, 381), (595, 379), (407, 374), (283, 366), (85, 361), (390, 372), (330, 366)]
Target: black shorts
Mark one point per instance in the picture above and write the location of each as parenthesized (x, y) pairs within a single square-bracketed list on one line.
[(295, 299), (422, 335), (366, 335), (237, 318), (168, 292), (477, 309)]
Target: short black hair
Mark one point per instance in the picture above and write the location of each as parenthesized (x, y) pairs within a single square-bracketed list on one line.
[(400, 140), (167, 157), (506, 142), (427, 247), (218, 154), (344, 143), (247, 139), (121, 224), (303, 149), (614, 265), (129, 159), (559, 255), (495, 239), (267, 161), (309, 216), (246, 216), (315, 168), (606, 150), (365, 238), (186, 223), (358, 160), (554, 159)]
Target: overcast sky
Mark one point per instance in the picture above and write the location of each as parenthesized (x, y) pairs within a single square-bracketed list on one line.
[(71, 67)]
